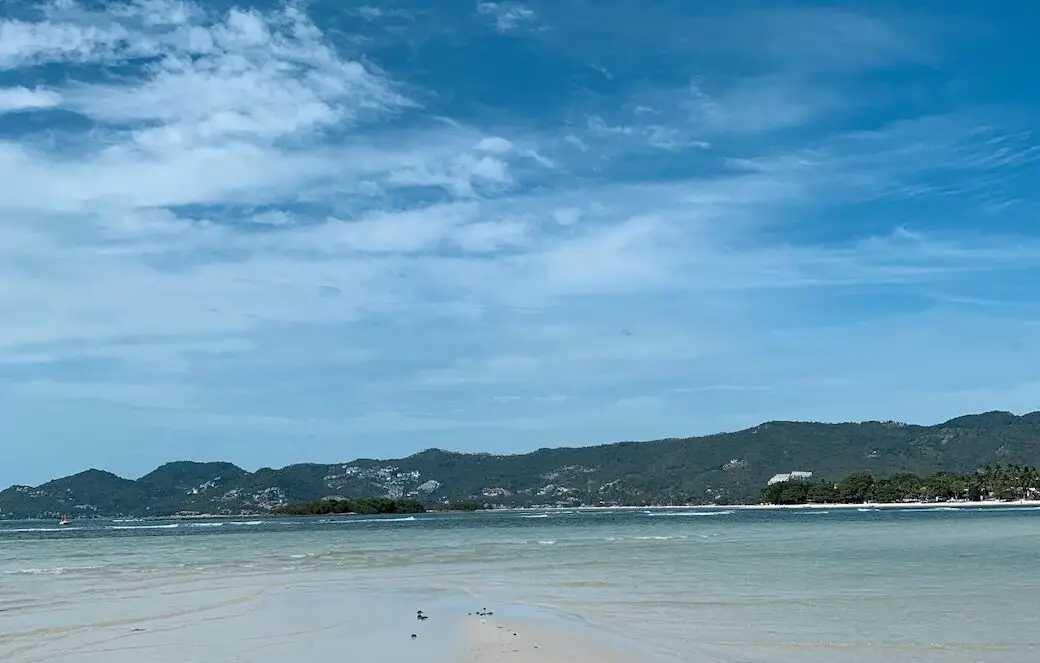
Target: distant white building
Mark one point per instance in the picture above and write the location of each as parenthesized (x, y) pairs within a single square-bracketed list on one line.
[(790, 476)]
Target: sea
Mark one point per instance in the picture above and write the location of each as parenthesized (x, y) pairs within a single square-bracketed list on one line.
[(692, 584)]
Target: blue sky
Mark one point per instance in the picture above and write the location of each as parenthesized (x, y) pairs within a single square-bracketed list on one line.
[(311, 232)]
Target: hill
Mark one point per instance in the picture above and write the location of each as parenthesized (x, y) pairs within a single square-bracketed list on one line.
[(722, 468)]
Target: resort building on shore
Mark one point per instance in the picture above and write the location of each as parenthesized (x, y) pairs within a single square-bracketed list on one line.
[(790, 476)]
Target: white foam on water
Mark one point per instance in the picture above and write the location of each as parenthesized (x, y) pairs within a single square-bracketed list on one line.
[(351, 520), (674, 514), (1002, 508), (17, 530), (55, 571)]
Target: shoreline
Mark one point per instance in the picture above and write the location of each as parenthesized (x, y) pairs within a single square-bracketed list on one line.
[(980, 504), (783, 507)]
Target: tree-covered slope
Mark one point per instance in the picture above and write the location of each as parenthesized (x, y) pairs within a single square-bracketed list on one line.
[(729, 467)]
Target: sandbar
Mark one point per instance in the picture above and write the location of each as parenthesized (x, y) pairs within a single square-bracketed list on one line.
[(277, 619)]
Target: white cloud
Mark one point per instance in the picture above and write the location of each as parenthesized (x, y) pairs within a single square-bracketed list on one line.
[(22, 98), (508, 16), (756, 105), (242, 77), (495, 145), (29, 43), (202, 125), (670, 138), (369, 13)]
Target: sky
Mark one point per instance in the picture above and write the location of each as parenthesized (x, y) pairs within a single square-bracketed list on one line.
[(276, 233)]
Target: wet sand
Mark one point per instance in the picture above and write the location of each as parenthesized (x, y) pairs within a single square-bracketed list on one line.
[(494, 640), (265, 620)]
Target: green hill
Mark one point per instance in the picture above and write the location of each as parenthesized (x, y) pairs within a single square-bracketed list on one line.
[(189, 486), (93, 492), (722, 468)]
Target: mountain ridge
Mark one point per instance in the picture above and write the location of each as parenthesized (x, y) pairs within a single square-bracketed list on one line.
[(722, 467)]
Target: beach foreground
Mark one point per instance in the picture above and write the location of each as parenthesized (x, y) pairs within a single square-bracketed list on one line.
[(930, 585), (273, 620)]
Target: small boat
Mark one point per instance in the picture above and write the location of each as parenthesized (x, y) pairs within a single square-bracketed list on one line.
[(64, 520)]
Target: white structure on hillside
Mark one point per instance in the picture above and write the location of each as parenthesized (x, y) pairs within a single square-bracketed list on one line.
[(790, 476)]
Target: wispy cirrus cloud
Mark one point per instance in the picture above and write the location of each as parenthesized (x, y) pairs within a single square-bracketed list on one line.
[(236, 232), (820, 39), (507, 16)]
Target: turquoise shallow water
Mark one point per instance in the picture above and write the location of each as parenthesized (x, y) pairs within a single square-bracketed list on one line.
[(696, 584)]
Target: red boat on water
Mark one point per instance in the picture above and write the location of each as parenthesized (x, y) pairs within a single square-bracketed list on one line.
[(64, 520)]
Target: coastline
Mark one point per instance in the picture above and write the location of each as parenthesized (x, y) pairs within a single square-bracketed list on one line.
[(979, 504), (786, 507)]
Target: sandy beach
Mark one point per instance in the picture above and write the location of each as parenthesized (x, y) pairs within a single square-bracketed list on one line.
[(988, 504), (496, 640), (273, 620)]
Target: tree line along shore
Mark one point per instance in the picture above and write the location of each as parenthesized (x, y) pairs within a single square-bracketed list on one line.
[(371, 506), (1004, 483), (1001, 483)]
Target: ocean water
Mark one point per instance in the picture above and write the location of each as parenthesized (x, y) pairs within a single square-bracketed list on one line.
[(689, 585)]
